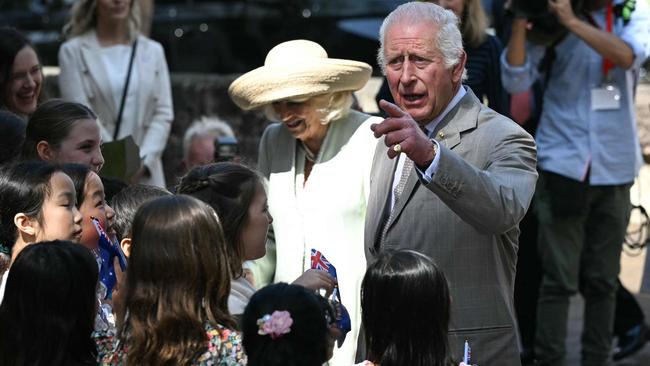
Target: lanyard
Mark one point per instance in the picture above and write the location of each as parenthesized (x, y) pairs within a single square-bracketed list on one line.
[(609, 25), (607, 64)]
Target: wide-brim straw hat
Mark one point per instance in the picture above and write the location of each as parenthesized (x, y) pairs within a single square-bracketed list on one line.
[(297, 69)]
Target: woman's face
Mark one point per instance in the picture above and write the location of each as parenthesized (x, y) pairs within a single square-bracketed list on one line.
[(82, 145), (60, 219), (303, 121), (113, 10), (257, 224), (24, 84), (94, 205), (457, 6)]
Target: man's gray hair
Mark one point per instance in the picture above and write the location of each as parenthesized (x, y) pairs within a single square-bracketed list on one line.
[(449, 41), (205, 126)]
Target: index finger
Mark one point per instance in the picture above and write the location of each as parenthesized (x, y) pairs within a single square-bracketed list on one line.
[(392, 109)]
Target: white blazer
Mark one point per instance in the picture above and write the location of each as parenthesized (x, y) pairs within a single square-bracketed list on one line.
[(84, 79)]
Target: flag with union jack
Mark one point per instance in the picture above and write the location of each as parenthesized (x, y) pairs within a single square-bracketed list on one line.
[(343, 322), (108, 250)]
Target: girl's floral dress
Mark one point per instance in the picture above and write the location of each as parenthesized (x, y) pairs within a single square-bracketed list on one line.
[(224, 348)]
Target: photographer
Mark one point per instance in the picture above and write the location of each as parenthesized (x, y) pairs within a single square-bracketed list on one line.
[(588, 156), (209, 140)]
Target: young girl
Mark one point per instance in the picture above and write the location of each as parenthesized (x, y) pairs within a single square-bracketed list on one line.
[(91, 202), (405, 311), (94, 210), (37, 203), (47, 314), (287, 325), (236, 193), (177, 289), (64, 132)]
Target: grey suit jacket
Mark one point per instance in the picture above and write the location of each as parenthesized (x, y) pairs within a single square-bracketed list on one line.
[(467, 220)]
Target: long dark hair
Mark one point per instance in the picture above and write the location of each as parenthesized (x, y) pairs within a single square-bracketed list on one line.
[(48, 311), (78, 173), (405, 311), (23, 188), (178, 281), (12, 136), (11, 42), (305, 345), (52, 122), (229, 188)]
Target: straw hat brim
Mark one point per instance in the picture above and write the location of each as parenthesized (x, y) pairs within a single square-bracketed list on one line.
[(268, 84)]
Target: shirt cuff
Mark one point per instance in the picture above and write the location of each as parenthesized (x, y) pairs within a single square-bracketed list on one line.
[(427, 176)]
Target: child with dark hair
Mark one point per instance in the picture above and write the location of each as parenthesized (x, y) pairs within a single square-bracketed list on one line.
[(125, 204), (48, 310), (176, 292), (98, 236), (405, 310), (288, 325), (11, 138), (37, 203), (237, 194)]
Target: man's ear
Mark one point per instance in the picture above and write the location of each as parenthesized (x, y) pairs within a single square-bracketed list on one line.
[(126, 246), (26, 226), (459, 69), (45, 151)]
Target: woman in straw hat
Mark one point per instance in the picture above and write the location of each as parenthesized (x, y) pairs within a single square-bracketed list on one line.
[(317, 159)]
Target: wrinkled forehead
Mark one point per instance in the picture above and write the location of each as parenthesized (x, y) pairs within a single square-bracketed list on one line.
[(420, 36)]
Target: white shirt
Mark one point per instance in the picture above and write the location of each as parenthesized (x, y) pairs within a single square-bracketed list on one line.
[(116, 61), (3, 285)]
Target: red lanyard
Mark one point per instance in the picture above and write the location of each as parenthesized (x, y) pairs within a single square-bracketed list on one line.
[(607, 64)]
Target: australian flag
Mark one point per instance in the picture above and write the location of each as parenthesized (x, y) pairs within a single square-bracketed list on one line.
[(108, 250), (318, 261)]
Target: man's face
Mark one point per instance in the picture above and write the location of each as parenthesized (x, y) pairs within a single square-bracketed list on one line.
[(201, 151), (418, 79)]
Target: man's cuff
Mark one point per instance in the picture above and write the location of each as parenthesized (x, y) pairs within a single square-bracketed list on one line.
[(427, 176)]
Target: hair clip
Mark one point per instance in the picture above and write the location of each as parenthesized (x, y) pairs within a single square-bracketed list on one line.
[(275, 325)]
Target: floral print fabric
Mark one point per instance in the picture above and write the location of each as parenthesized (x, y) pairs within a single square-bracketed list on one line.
[(224, 348)]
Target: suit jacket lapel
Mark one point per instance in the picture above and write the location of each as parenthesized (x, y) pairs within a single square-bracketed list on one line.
[(381, 181), (94, 66), (447, 134)]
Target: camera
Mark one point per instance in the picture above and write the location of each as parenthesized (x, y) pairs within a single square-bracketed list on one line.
[(226, 148), (546, 28)]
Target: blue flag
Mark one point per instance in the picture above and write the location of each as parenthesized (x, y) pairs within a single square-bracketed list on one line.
[(108, 250)]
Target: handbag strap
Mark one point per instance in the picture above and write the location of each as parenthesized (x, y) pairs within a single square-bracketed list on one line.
[(118, 122)]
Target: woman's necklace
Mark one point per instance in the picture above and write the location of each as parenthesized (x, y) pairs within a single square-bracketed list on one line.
[(309, 155)]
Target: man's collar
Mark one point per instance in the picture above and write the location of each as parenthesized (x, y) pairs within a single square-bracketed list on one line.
[(455, 100)]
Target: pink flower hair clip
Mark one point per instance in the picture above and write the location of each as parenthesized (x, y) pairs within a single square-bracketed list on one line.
[(275, 325)]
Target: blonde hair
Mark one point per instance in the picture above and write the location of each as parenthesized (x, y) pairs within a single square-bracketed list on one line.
[(332, 106), (473, 23), (83, 17)]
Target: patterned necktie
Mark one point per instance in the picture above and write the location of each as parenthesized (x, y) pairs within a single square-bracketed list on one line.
[(397, 191)]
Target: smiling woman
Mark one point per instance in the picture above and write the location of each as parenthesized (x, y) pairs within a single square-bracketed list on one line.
[(20, 73), (317, 158)]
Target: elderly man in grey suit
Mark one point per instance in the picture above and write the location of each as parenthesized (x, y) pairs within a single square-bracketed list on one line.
[(452, 179)]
